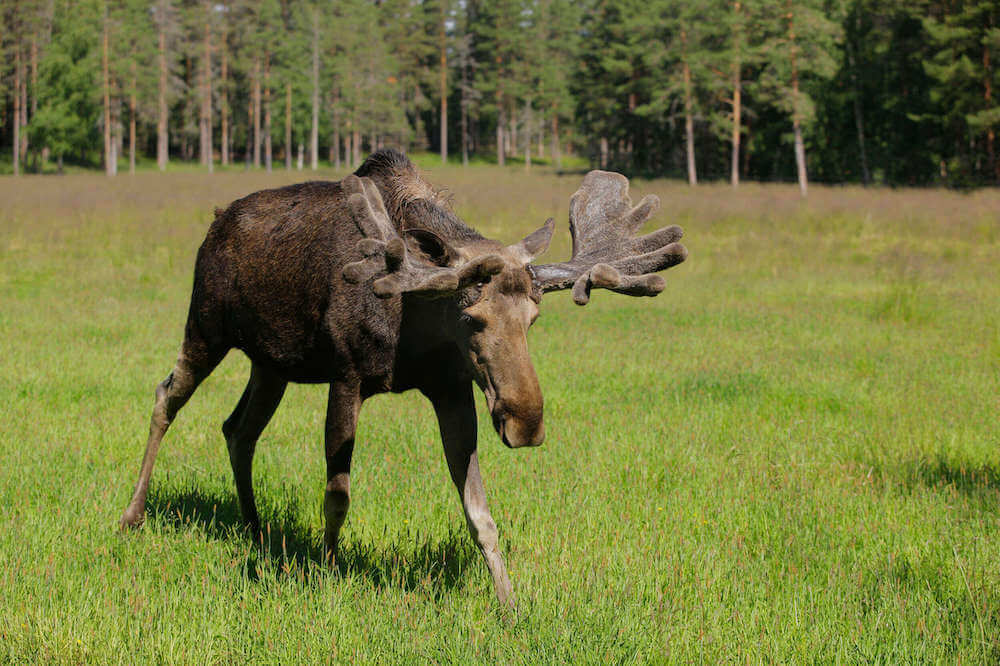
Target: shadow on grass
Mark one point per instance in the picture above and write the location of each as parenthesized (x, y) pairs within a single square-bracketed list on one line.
[(436, 565), (968, 479)]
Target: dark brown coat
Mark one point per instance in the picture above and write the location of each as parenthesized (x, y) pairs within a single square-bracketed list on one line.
[(372, 285)]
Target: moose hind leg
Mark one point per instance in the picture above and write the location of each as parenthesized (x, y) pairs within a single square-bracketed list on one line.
[(341, 424), (193, 364), (242, 429)]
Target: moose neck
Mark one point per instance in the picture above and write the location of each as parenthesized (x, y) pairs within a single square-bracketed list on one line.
[(427, 352)]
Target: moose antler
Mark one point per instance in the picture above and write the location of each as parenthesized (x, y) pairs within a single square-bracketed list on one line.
[(606, 253), (385, 251)]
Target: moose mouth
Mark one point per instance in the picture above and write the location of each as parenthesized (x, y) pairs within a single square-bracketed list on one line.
[(499, 424), (516, 433)]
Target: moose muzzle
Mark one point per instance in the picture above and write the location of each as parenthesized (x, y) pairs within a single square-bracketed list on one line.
[(519, 425)]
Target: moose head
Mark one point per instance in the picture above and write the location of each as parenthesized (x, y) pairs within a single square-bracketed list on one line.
[(494, 292)]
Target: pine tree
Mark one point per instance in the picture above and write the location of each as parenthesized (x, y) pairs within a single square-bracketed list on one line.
[(611, 79), (962, 68), (67, 114), (498, 46), (165, 18), (133, 58), (682, 52), (204, 15), (559, 25), (802, 44), (314, 14)]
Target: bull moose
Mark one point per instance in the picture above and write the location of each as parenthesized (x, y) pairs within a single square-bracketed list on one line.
[(371, 285)]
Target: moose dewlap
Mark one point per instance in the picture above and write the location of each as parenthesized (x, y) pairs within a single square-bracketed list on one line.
[(371, 285)]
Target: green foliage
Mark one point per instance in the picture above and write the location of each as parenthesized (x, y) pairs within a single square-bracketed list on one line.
[(960, 66), (68, 110), (802, 43), (889, 92)]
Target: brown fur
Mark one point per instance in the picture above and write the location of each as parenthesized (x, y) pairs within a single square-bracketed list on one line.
[(314, 283)]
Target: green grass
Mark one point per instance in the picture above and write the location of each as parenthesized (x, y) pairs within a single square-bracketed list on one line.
[(792, 455)]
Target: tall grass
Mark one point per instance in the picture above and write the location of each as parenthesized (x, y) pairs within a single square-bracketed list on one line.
[(791, 455)]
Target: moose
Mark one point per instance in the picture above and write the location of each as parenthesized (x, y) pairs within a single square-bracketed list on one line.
[(371, 285)]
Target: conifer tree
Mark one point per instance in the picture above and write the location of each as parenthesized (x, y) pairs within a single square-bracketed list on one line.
[(801, 44), (962, 67), (67, 113)]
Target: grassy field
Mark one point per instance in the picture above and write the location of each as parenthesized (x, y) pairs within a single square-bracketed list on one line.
[(792, 455)]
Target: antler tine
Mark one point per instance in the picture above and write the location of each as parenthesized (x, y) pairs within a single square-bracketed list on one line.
[(385, 252), (606, 253)]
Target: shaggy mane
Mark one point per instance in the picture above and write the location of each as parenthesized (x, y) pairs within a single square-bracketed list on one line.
[(410, 200)]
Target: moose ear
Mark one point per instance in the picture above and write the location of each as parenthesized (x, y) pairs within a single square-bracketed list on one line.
[(535, 243), (430, 245)]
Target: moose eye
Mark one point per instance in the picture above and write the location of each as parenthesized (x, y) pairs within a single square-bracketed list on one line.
[(474, 323)]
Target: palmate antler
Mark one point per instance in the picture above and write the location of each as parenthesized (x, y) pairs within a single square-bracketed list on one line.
[(606, 253), (386, 252)]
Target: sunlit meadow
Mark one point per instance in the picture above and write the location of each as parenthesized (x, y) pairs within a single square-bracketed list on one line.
[(791, 455)]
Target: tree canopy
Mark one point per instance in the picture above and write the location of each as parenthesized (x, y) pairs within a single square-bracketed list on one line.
[(836, 91)]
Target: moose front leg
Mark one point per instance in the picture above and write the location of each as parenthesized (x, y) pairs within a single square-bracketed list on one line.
[(456, 413), (341, 423)]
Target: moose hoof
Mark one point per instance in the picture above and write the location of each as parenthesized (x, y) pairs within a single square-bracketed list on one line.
[(131, 519)]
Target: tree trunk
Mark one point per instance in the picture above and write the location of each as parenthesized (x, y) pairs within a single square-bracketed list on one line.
[(162, 138), (859, 125), (106, 84), (335, 142), (288, 126), (511, 143), (500, 138), (255, 95), (556, 152), (115, 137), (442, 44), (734, 174), (464, 100), (604, 152), (541, 138), (17, 111), (224, 101), (349, 146), (988, 98), (34, 75), (800, 157), (464, 127), (689, 126), (527, 137), (268, 154), (23, 92), (356, 159), (747, 131), (248, 157), (34, 94), (737, 83), (206, 95), (800, 149), (314, 130), (131, 123)]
